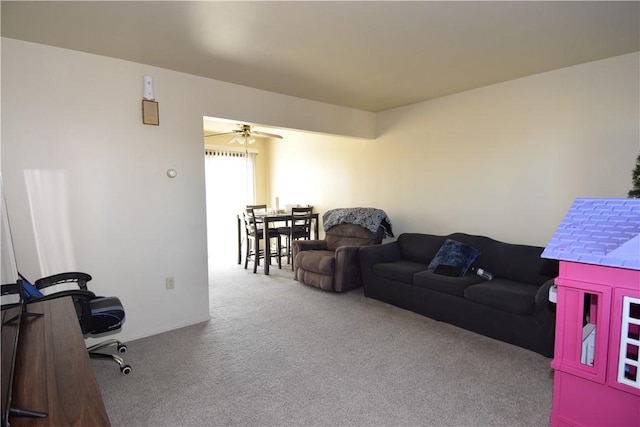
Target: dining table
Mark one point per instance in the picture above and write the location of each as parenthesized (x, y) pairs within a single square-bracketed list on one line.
[(271, 218)]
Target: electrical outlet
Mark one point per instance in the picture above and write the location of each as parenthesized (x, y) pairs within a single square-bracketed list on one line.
[(170, 282)]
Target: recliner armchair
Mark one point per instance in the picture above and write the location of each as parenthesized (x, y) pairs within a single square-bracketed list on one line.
[(333, 264), (96, 314)]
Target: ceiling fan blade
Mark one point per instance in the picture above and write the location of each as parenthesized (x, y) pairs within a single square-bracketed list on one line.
[(225, 133), (270, 135)]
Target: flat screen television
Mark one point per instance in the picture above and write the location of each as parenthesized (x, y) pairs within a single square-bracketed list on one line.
[(13, 310)]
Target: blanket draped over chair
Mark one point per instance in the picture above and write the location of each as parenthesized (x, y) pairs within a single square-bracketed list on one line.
[(369, 218)]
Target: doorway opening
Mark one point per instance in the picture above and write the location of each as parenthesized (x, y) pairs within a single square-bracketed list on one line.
[(230, 185)]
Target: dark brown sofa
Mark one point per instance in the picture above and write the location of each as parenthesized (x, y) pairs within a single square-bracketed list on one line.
[(513, 306)]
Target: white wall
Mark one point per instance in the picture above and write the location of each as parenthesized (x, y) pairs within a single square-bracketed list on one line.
[(100, 202), (505, 161)]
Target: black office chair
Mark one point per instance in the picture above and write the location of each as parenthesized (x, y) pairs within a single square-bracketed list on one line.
[(96, 314)]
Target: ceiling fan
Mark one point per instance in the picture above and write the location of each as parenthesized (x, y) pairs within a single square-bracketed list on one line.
[(244, 134)]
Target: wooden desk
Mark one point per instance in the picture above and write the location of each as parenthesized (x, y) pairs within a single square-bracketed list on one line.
[(266, 219), (53, 373)]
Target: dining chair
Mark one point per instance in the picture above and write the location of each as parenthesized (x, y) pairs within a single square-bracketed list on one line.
[(299, 228), (258, 209), (255, 235)]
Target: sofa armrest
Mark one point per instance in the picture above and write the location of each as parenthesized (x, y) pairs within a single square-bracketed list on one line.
[(307, 245), (545, 310), (388, 252), (542, 296)]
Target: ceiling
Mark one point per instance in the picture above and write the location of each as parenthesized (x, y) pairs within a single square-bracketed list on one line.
[(369, 55)]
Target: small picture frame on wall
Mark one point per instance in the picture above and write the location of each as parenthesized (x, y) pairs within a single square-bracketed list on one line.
[(150, 114)]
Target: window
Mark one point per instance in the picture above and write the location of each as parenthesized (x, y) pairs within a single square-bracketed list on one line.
[(230, 185), (629, 342)]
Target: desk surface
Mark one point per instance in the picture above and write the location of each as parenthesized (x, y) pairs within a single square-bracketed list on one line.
[(53, 373)]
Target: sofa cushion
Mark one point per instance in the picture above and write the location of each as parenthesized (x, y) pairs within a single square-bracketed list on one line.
[(321, 262), (506, 295), (450, 285), (520, 263), (455, 254), (419, 247), (478, 242), (401, 271)]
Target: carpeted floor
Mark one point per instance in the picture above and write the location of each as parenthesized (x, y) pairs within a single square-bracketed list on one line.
[(278, 353)]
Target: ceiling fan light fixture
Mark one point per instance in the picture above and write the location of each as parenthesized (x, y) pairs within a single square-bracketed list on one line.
[(245, 135)]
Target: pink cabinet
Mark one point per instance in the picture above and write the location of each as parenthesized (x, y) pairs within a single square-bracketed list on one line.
[(596, 358), (596, 349)]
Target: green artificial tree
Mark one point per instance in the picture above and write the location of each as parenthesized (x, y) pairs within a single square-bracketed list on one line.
[(635, 178)]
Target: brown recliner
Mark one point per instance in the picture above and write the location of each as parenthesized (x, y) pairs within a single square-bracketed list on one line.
[(333, 264)]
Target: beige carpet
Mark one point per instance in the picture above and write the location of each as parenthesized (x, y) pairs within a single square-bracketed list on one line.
[(278, 353)]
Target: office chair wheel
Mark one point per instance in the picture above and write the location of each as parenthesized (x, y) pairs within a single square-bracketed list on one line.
[(122, 348), (126, 369)]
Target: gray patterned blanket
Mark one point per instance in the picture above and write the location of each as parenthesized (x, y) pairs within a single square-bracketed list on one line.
[(369, 218)]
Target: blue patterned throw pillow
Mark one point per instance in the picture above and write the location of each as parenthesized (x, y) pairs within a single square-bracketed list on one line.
[(455, 254)]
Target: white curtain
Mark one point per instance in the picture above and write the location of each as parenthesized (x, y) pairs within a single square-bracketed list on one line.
[(230, 185)]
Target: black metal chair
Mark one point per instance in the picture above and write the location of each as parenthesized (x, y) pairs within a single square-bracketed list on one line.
[(96, 314), (300, 228), (255, 234)]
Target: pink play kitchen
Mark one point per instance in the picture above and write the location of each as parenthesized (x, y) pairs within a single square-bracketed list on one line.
[(597, 292)]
